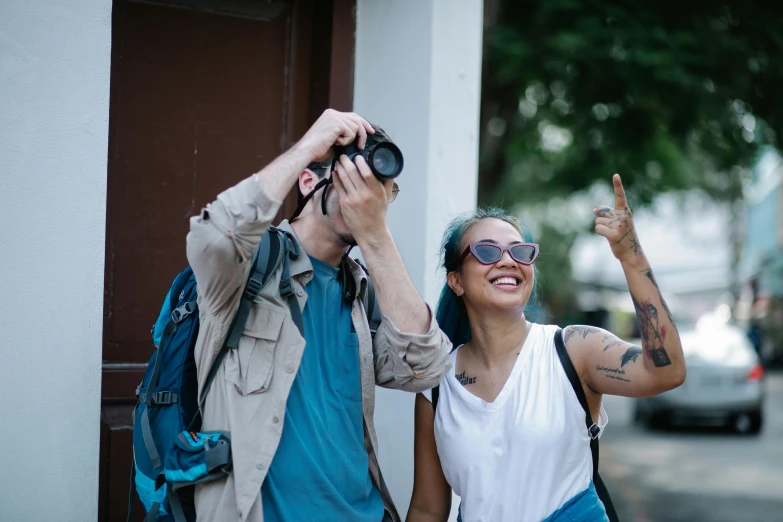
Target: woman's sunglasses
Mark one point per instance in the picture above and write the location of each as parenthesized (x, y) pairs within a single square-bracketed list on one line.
[(488, 253)]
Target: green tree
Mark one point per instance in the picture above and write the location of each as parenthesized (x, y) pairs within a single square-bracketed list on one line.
[(672, 95)]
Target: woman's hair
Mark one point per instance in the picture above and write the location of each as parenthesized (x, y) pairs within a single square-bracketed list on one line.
[(451, 314)]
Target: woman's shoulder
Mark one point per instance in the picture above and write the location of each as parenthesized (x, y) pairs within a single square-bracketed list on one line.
[(543, 337), (546, 329)]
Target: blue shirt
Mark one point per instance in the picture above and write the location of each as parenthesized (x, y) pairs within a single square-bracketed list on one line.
[(321, 468)]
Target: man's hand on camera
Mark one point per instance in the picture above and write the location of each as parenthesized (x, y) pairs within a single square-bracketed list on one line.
[(331, 128), (363, 199), (334, 128)]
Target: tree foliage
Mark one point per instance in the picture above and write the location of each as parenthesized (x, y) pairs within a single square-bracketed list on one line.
[(673, 95)]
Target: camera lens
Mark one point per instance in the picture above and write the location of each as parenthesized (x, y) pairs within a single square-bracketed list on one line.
[(386, 161)]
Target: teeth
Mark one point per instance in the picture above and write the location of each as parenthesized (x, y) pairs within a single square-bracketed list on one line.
[(505, 281)]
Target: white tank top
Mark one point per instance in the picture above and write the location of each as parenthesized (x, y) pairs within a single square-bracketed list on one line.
[(521, 457)]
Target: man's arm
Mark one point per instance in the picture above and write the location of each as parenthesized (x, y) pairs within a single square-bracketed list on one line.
[(331, 128), (364, 201), (397, 297), (224, 236), (412, 353)]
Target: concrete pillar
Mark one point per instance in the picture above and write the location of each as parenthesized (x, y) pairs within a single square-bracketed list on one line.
[(418, 70), (54, 116)]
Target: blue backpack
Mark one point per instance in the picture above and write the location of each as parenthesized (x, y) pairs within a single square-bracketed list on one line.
[(170, 453)]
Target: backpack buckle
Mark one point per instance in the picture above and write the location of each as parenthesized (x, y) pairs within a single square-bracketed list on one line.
[(594, 431), (252, 288), (286, 288), (164, 398), (293, 246), (181, 312)]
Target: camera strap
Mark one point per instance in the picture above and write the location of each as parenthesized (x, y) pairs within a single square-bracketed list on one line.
[(323, 184)]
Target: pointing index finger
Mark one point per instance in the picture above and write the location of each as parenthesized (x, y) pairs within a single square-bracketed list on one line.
[(620, 201)]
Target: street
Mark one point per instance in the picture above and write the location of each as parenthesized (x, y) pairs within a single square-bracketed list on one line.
[(689, 474)]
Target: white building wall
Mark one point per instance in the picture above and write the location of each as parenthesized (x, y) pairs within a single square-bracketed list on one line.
[(54, 113), (418, 70), (417, 74)]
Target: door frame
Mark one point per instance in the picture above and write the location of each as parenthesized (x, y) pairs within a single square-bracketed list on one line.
[(330, 81)]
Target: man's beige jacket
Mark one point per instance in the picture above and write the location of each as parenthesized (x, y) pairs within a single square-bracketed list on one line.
[(249, 393)]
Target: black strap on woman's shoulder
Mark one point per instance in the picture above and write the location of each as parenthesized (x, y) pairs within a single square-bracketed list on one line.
[(435, 394), (576, 384), (592, 429)]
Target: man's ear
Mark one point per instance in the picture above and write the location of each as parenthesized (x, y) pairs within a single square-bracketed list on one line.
[(307, 181), (454, 281)]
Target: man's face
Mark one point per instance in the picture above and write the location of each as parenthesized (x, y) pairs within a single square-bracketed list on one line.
[(334, 215), (333, 220)]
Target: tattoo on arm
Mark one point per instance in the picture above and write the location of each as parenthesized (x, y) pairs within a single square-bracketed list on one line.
[(630, 355), (611, 341), (624, 236), (653, 333), (651, 277), (637, 248), (618, 374), (623, 217), (464, 379), (584, 331)]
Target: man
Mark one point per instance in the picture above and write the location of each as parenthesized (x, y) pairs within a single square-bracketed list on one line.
[(300, 410)]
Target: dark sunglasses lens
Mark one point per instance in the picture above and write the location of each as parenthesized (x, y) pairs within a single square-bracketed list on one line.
[(487, 254), (523, 253)]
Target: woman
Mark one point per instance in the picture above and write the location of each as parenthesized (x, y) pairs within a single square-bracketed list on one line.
[(508, 434)]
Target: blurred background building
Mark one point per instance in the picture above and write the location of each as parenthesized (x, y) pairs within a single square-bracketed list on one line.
[(760, 307)]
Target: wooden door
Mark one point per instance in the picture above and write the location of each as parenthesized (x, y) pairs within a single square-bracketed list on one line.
[(203, 94)]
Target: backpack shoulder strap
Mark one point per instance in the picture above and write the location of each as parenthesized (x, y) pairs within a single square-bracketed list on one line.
[(265, 261), (576, 384), (374, 316), (290, 249), (371, 308), (592, 429)]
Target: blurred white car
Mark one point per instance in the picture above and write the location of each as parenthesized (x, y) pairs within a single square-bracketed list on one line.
[(724, 385)]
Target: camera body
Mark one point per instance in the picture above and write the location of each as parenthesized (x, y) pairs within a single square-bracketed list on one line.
[(384, 158)]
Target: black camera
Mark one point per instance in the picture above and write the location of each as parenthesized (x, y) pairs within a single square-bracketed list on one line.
[(384, 157)]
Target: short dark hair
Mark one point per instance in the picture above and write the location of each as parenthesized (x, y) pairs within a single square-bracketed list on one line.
[(320, 168)]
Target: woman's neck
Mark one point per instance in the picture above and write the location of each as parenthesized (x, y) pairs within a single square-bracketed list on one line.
[(496, 338)]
